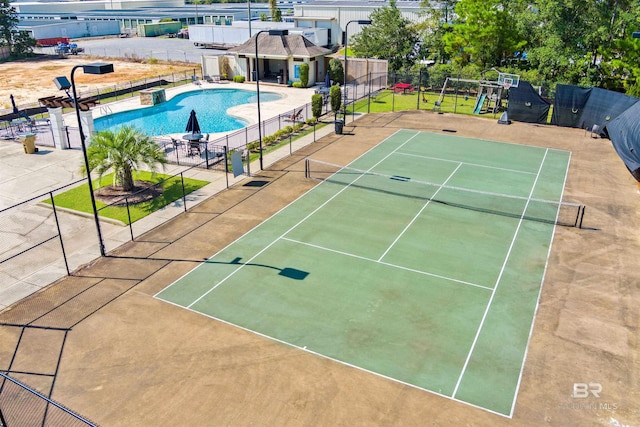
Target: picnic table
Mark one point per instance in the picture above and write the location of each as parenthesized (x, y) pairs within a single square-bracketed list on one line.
[(404, 87)]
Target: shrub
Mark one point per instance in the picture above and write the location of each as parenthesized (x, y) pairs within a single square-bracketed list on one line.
[(311, 121), (270, 139), (280, 133), (253, 146), (335, 95), (304, 74), (297, 84), (225, 68), (298, 127), (336, 72), (238, 79), (153, 61), (316, 105)]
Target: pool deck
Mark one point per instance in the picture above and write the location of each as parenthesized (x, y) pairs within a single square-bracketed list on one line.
[(292, 98), (24, 176)]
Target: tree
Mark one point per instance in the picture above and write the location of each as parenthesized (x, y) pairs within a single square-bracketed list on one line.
[(304, 74), (23, 44), (276, 15), (335, 95), (336, 72), (390, 37), (8, 22), (123, 152), (484, 33), (316, 105), (437, 23)]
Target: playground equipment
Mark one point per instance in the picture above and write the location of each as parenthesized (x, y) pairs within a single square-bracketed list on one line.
[(489, 94)]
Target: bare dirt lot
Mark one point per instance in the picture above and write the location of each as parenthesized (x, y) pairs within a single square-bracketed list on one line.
[(123, 358), (31, 79)]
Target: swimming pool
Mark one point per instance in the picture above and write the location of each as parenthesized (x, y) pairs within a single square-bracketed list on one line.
[(171, 117)]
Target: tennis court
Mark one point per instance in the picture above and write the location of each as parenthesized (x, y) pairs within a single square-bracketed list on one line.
[(422, 262)]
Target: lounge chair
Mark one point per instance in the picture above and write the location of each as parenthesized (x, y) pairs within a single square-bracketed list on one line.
[(296, 116)]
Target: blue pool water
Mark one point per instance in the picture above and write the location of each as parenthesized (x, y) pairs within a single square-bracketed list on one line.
[(210, 106)]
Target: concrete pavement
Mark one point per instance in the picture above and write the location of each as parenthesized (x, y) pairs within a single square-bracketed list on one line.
[(24, 176)]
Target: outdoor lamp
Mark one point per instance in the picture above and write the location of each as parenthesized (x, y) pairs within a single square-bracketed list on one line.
[(62, 83), (271, 33), (346, 40)]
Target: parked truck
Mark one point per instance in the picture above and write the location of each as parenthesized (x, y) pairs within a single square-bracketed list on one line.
[(64, 49)]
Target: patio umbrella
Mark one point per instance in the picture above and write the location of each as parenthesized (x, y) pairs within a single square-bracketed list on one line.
[(13, 102), (192, 125)]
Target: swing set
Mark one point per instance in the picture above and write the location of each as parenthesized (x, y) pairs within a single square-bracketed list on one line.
[(489, 94)]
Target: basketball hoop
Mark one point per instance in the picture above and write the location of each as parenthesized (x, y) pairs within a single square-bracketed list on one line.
[(508, 81)]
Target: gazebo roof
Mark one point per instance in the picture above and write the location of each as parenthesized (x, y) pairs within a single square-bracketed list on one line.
[(280, 47)]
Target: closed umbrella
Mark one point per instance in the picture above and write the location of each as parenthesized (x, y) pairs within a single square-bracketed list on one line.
[(13, 102), (192, 125), (327, 80)]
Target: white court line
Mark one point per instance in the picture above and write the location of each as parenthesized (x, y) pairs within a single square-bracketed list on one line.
[(535, 312), (467, 163), (179, 279), (495, 288), (294, 226), (415, 217), (341, 362), (388, 264)]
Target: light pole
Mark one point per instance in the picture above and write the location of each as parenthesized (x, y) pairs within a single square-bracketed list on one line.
[(257, 70), (63, 83), (346, 41)]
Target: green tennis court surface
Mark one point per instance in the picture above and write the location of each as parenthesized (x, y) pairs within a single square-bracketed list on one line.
[(428, 285)]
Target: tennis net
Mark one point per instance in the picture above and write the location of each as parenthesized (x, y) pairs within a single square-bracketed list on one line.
[(547, 211)]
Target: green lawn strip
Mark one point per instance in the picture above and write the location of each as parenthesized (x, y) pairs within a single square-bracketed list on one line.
[(78, 198), (386, 101)]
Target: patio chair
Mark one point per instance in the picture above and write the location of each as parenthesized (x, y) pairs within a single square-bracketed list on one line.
[(194, 148), (296, 116)]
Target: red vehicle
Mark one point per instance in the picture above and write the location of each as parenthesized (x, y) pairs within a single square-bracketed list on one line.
[(55, 41)]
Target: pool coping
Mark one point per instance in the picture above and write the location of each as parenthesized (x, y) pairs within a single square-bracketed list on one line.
[(291, 98)]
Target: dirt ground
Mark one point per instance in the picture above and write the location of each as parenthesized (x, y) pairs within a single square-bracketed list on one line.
[(31, 79), (127, 359)]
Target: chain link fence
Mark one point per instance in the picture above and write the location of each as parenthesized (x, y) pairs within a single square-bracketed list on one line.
[(21, 406)]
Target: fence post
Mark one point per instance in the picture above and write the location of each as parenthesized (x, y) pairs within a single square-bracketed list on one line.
[(184, 196), (126, 200), (226, 162), (64, 254), (369, 95), (393, 95)]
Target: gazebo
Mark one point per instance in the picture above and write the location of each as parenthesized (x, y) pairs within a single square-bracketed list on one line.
[(280, 57)]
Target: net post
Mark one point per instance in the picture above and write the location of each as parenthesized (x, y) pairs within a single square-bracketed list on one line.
[(581, 216), (307, 174)]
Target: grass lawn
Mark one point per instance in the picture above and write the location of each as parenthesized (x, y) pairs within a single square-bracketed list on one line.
[(78, 198), (387, 100)]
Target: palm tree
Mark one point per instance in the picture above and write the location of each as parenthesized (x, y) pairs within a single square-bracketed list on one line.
[(123, 152)]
